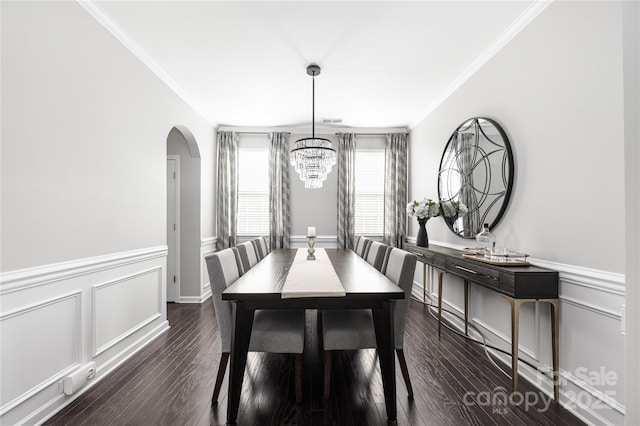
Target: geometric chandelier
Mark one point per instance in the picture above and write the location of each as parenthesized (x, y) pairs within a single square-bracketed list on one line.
[(313, 157)]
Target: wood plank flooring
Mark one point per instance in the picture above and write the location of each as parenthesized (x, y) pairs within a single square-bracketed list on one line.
[(170, 382)]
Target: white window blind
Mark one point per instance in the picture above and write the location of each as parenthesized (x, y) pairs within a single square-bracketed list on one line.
[(369, 214), (253, 192)]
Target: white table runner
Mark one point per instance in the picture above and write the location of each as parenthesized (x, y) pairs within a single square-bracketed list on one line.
[(312, 278)]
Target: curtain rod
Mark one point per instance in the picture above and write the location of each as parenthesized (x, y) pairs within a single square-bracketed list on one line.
[(319, 131)]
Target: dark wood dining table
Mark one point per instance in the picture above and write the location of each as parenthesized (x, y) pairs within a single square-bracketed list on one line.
[(261, 287)]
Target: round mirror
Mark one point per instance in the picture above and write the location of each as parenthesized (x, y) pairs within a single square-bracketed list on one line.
[(476, 169)]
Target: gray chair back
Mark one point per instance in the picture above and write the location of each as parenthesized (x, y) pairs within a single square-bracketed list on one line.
[(261, 247), (377, 255), (248, 255), (400, 269), (224, 269), (362, 246)]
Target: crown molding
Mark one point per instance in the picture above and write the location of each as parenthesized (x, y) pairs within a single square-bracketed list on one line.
[(100, 15), (518, 25), (318, 130)]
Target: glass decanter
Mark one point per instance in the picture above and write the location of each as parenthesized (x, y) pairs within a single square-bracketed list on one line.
[(485, 240)]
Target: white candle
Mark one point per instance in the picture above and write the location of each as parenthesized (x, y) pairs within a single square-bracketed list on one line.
[(311, 231)]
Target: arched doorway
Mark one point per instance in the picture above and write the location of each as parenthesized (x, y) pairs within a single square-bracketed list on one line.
[(183, 215)]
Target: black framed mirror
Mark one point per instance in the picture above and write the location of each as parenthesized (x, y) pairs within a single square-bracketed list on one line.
[(477, 170)]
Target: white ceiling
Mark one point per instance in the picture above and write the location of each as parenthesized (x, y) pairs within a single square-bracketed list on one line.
[(384, 63)]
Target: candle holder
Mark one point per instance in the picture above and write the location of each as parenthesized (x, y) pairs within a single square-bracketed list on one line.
[(311, 250)]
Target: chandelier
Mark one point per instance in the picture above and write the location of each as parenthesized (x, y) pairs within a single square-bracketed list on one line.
[(313, 157)]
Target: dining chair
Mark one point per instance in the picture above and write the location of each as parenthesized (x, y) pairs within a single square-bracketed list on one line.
[(276, 331), (361, 246), (351, 329), (377, 255), (248, 255), (261, 247)]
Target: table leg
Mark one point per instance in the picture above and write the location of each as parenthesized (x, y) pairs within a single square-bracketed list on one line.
[(383, 322), (466, 307), (555, 329), (241, 334), (424, 283), (440, 274), (515, 326)]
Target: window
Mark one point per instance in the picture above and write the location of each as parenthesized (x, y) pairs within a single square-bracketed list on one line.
[(369, 215), (253, 191)]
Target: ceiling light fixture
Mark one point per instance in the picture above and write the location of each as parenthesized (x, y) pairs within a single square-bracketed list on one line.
[(313, 157)]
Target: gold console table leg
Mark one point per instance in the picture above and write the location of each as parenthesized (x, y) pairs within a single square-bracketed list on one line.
[(424, 283), (515, 328), (555, 344), (440, 274), (466, 307), (555, 332)]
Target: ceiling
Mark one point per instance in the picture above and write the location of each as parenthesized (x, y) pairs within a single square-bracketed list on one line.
[(384, 63)]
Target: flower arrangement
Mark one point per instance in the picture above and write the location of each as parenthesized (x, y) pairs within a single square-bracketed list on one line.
[(423, 210), (427, 208)]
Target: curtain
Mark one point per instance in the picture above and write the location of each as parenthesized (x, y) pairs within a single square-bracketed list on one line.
[(346, 189), (395, 189), (465, 150), (227, 191), (279, 198)]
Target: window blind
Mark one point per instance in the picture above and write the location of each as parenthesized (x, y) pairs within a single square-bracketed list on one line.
[(253, 192), (369, 192)]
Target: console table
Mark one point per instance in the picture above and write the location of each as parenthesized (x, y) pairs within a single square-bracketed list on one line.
[(517, 284)]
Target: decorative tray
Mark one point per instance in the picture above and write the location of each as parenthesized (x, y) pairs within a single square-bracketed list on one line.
[(507, 259)]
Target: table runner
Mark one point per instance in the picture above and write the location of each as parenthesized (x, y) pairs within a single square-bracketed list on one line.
[(312, 278)]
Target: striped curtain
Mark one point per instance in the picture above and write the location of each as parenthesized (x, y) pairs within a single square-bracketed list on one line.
[(227, 191), (279, 193), (395, 189), (465, 149), (346, 189)]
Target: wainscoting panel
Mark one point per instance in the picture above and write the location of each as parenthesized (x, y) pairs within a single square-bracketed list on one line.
[(24, 338), (56, 319), (137, 300), (591, 343)]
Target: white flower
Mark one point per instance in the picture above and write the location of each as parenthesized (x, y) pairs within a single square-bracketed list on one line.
[(426, 209)]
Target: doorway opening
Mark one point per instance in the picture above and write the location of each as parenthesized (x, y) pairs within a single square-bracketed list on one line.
[(183, 216)]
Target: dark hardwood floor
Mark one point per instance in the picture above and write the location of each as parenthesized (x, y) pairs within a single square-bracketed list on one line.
[(170, 382)]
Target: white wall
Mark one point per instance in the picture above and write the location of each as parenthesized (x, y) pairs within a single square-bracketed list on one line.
[(83, 175), (631, 46), (556, 89)]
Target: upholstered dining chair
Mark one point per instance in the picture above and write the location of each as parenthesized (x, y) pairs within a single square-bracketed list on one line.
[(277, 331), (248, 255), (361, 246), (351, 329), (377, 255), (261, 247)]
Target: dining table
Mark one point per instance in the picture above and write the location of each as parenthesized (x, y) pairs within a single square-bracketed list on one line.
[(261, 287)]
